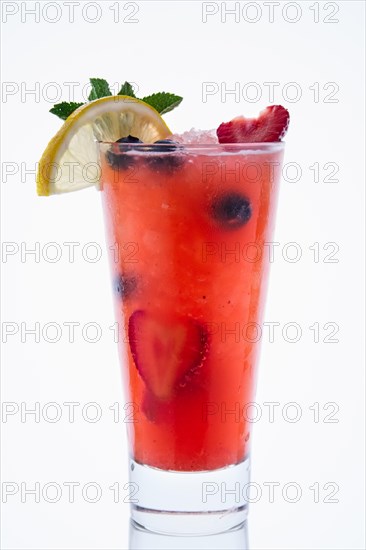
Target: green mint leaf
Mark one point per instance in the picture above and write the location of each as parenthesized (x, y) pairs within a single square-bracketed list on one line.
[(127, 90), (100, 88), (163, 102), (65, 109)]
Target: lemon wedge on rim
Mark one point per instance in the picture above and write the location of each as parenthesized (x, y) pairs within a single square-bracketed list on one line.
[(70, 161)]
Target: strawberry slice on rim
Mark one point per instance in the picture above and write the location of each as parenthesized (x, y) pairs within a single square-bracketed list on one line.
[(166, 351), (271, 125)]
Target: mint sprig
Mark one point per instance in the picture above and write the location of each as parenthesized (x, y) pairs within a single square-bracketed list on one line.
[(127, 90), (163, 102), (64, 109), (100, 88)]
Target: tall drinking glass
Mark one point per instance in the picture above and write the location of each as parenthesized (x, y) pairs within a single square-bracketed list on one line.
[(187, 227)]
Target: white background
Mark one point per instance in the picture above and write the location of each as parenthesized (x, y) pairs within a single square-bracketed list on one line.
[(170, 48)]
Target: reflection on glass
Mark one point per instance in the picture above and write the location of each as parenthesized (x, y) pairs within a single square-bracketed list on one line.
[(235, 539)]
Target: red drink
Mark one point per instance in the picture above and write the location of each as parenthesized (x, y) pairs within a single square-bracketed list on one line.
[(187, 228)]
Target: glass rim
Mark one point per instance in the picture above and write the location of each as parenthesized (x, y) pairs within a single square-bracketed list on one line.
[(150, 147)]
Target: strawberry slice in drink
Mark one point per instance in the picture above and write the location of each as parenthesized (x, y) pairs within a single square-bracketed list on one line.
[(271, 125), (166, 351)]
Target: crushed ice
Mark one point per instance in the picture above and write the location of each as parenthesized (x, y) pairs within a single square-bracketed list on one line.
[(196, 137)]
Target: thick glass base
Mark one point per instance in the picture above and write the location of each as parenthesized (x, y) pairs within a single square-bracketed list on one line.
[(189, 503), (235, 539)]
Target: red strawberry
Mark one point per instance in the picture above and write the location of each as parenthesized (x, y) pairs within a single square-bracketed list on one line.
[(166, 351), (157, 410), (271, 125)]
